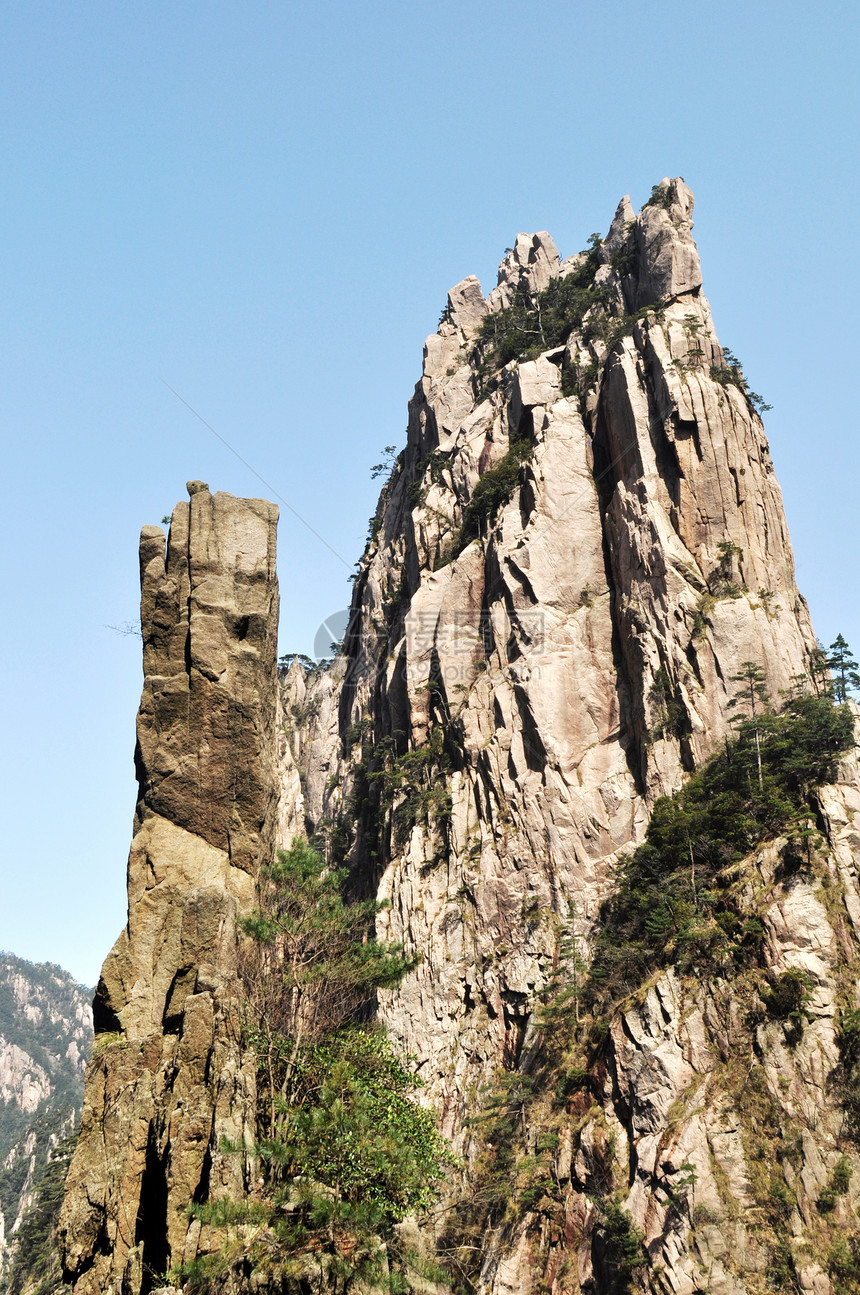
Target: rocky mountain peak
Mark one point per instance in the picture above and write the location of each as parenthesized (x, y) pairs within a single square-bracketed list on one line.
[(579, 552)]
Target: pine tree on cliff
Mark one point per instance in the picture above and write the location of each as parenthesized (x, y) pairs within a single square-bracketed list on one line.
[(846, 676), (752, 694)]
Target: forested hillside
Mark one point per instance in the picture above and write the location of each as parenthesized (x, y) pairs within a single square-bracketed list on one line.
[(45, 1036)]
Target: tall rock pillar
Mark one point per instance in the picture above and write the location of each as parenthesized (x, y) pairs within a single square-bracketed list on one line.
[(170, 1079)]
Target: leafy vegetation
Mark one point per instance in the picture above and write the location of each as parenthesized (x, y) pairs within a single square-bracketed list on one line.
[(307, 663), (843, 1264), (662, 195), (681, 900), (35, 1264), (345, 1151), (351, 1126), (412, 781), (387, 464), (730, 373), (671, 715), (843, 669), (670, 906), (789, 995), (838, 1185), (44, 1033), (537, 322), (722, 584), (493, 490), (311, 963), (620, 1251), (434, 467)]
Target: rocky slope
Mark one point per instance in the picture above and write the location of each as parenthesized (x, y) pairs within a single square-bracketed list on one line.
[(45, 1034), (579, 547)]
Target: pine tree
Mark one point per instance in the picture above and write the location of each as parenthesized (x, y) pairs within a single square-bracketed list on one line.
[(846, 676), (343, 1152), (311, 963), (753, 694), (818, 669)]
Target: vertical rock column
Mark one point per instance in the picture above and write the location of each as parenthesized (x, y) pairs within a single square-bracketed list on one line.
[(170, 1078)]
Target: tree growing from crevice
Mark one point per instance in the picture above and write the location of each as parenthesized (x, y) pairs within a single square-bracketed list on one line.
[(752, 695), (311, 962), (343, 1152), (843, 669)]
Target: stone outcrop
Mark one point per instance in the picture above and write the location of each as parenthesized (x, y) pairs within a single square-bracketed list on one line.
[(580, 546), (171, 1076), (725, 1123), (641, 559), (573, 657)]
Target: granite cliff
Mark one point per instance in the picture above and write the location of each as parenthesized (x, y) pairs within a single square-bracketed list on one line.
[(171, 1075), (578, 550)]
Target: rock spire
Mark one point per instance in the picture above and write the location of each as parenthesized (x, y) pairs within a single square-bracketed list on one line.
[(170, 1076)]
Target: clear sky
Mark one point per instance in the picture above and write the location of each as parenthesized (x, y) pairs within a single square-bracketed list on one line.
[(263, 205)]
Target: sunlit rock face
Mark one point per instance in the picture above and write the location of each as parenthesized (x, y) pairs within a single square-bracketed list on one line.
[(576, 651), (579, 547), (641, 558), (171, 1076)]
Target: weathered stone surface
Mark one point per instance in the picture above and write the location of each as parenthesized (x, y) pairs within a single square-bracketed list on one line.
[(540, 646), (171, 1077), (692, 1090), (645, 547), (551, 666), (206, 609)]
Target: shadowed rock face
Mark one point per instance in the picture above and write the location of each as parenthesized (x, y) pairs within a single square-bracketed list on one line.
[(171, 1077)]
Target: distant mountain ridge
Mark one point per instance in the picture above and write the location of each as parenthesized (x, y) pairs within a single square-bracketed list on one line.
[(45, 1037)]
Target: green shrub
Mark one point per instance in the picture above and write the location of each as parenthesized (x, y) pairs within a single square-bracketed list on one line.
[(662, 195), (666, 908), (622, 1247), (577, 379), (345, 1152), (840, 1181), (539, 322), (492, 491), (849, 1037), (415, 780), (789, 995), (672, 718), (35, 1266), (843, 1264), (730, 373), (350, 1125)]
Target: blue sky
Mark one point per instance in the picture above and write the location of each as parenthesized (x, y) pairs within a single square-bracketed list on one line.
[(264, 205)]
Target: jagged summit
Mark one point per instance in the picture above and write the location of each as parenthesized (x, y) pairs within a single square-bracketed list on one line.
[(654, 237), (579, 549)]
